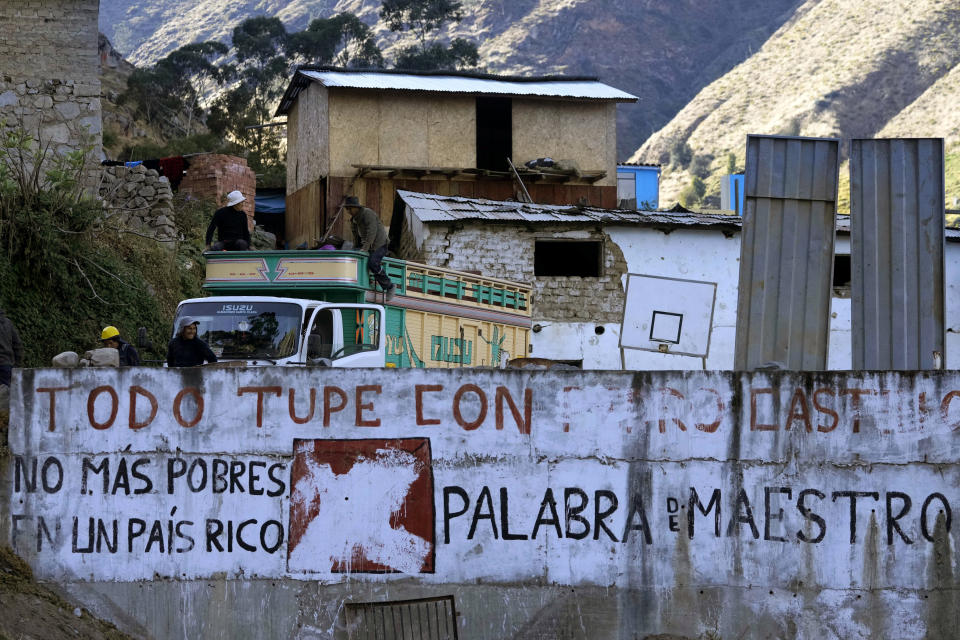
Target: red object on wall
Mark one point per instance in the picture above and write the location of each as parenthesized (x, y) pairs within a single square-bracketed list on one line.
[(213, 176), (349, 462)]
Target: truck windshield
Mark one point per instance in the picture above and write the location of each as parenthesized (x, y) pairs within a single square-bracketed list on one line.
[(246, 330)]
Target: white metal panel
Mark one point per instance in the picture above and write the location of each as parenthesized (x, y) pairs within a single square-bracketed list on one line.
[(465, 84), (668, 315)]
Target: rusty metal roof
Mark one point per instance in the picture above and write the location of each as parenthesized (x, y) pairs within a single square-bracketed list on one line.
[(429, 208), (561, 87)]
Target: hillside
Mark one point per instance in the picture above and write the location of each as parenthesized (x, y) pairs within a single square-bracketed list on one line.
[(663, 51), (837, 68)]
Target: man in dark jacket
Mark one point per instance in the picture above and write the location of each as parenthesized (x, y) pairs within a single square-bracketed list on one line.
[(230, 222), (11, 349), (110, 337), (370, 235), (187, 350)]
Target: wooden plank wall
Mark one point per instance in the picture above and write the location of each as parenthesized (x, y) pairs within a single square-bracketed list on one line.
[(304, 217)]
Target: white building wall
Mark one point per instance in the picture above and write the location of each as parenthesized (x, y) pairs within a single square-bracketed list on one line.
[(708, 256)]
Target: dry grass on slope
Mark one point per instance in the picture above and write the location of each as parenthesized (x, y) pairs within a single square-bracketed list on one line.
[(838, 68)]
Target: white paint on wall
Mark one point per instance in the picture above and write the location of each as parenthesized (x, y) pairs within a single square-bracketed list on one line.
[(595, 487)]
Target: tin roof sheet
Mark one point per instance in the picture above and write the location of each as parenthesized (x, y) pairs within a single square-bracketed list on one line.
[(430, 208), (472, 84)]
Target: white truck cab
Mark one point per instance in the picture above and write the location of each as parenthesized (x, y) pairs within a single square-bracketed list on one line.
[(265, 330)]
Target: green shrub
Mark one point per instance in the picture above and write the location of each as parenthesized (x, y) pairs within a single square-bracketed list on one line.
[(63, 277), (680, 154), (693, 193)]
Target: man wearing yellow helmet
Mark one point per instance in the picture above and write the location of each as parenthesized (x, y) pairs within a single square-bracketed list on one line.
[(110, 337)]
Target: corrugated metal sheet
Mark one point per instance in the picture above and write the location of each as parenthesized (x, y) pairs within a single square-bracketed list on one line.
[(428, 208), (951, 232), (897, 254), (463, 84), (479, 84), (786, 252)]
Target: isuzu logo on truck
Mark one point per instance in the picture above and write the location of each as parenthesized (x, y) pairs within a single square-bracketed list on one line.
[(236, 308)]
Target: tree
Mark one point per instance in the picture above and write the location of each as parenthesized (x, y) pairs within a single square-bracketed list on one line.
[(169, 93), (343, 40), (693, 193), (461, 54), (700, 165), (259, 44), (422, 18), (680, 153), (731, 163), (192, 65), (151, 93)]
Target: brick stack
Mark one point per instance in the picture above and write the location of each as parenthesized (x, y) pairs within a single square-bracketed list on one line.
[(213, 176)]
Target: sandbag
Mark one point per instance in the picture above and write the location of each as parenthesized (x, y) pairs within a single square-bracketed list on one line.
[(103, 357), (67, 359)]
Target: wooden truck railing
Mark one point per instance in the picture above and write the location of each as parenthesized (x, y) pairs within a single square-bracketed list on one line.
[(341, 276)]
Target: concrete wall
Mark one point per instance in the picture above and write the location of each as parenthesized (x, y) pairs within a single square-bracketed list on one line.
[(254, 502), (49, 78), (507, 251)]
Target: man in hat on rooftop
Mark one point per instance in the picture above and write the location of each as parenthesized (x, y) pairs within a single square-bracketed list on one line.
[(370, 235), (230, 222)]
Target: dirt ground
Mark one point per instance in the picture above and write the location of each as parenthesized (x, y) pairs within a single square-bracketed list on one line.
[(30, 611)]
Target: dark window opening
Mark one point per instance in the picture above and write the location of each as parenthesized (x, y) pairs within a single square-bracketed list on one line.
[(568, 258), (494, 133), (841, 276)]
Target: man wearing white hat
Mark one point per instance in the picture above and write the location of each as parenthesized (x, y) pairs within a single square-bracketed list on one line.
[(186, 349), (231, 225)]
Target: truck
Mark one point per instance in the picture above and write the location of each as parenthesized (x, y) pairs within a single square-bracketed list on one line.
[(322, 308)]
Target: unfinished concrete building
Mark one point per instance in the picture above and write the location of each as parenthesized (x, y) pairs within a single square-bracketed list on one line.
[(368, 133)]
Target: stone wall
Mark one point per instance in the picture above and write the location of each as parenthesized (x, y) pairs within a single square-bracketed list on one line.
[(49, 79), (139, 200), (507, 251)]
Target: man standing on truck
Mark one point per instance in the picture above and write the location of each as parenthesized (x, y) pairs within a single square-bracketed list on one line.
[(370, 235), (187, 350), (110, 337), (230, 222)]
